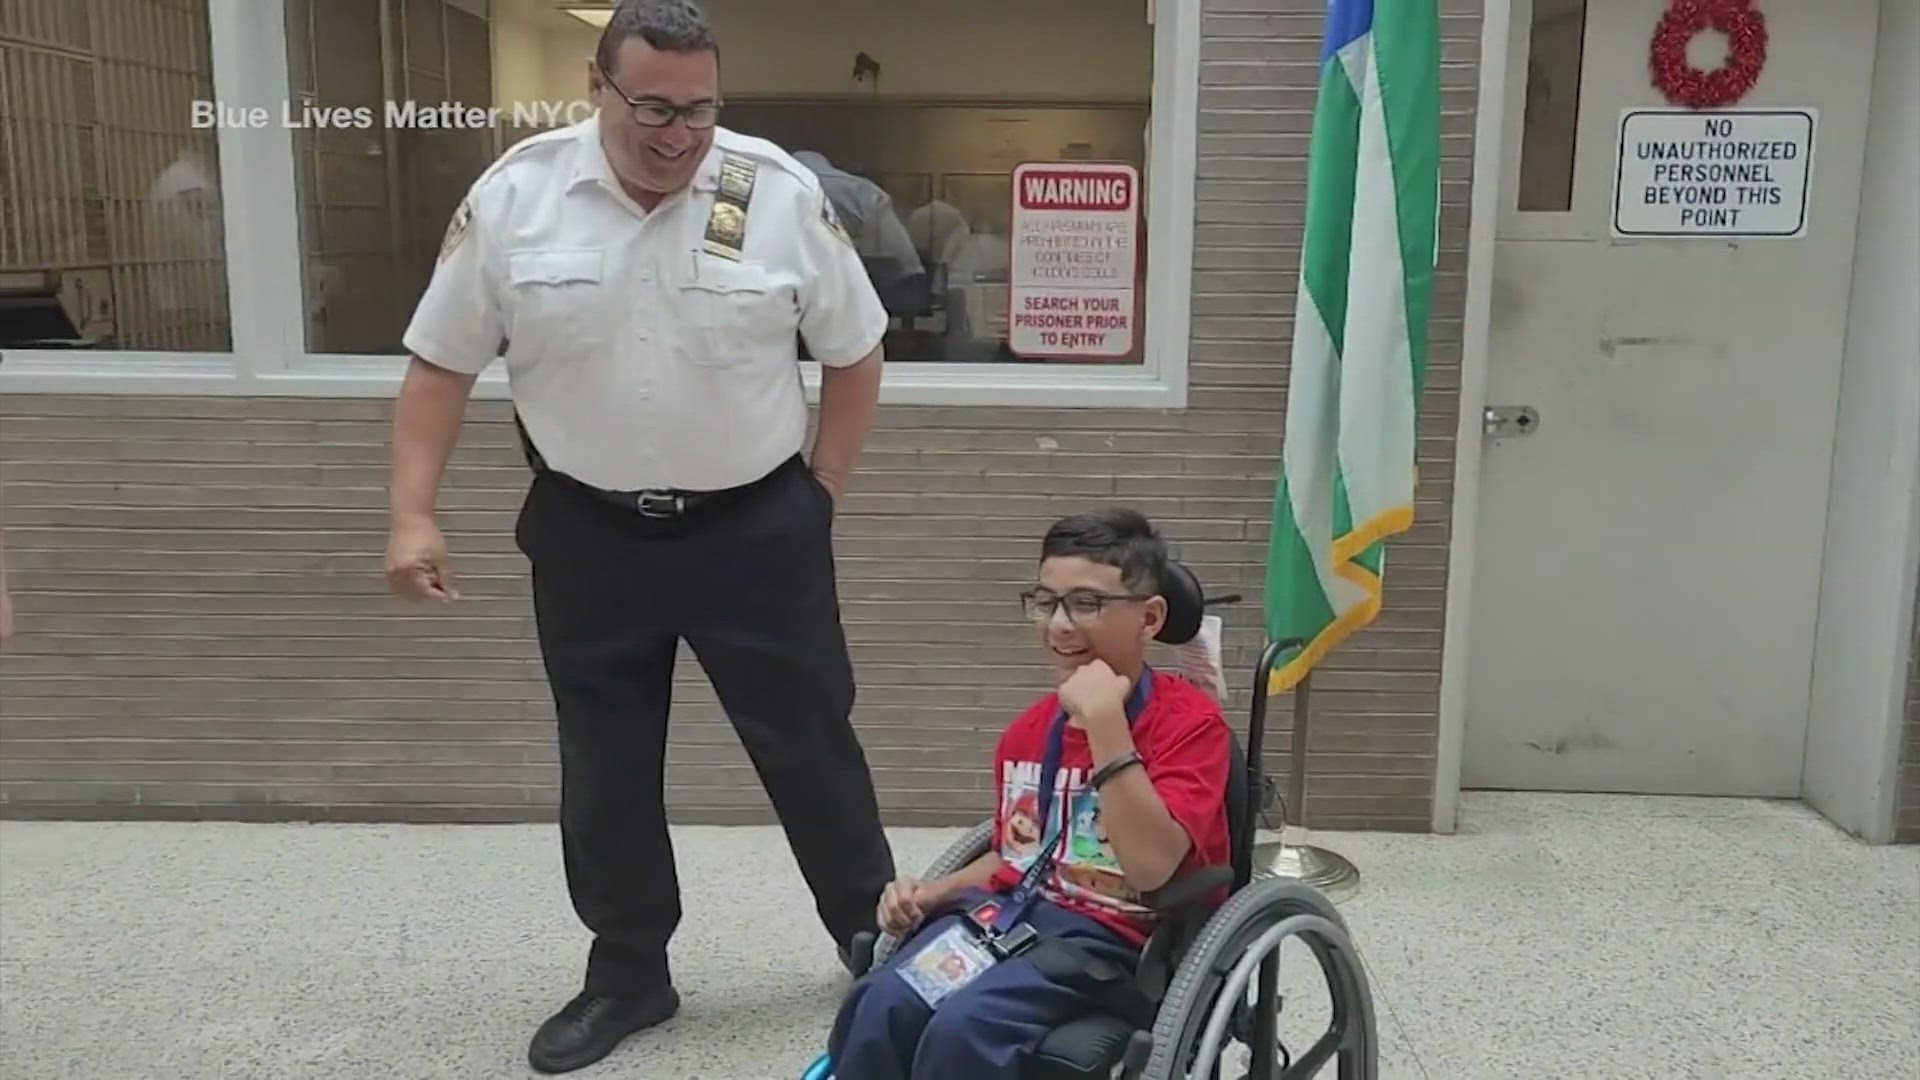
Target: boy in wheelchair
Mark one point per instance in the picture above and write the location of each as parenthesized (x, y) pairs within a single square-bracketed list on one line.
[(1106, 788)]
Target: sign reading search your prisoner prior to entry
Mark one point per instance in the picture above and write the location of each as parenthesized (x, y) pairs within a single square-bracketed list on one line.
[(1075, 252), (1718, 172)]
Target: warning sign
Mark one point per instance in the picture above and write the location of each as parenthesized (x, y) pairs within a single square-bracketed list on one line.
[(1075, 252)]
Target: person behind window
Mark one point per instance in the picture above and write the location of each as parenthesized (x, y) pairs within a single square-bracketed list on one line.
[(884, 244), (188, 229), (978, 266), (1106, 789), (933, 228)]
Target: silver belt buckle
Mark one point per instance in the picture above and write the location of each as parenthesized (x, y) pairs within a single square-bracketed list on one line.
[(660, 504)]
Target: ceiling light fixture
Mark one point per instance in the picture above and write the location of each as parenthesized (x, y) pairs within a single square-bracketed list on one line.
[(596, 17)]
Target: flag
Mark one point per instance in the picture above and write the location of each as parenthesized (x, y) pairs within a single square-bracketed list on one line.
[(1360, 345)]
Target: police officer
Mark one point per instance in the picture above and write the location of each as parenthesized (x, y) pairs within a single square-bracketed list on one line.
[(649, 274)]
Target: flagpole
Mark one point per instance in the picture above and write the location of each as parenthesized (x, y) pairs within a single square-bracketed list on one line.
[(1358, 362), (1290, 856)]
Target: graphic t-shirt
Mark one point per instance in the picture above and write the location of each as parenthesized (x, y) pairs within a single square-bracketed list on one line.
[(1183, 742)]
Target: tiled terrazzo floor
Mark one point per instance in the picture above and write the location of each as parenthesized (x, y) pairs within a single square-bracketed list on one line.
[(1554, 937)]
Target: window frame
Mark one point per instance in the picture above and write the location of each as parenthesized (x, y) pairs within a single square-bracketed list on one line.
[(268, 354)]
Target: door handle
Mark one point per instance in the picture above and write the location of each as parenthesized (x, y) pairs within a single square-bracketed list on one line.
[(1507, 421)]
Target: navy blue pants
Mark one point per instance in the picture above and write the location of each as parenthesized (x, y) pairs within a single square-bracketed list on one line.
[(980, 1032)]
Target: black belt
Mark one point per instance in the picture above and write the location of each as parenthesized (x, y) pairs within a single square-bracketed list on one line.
[(659, 503)]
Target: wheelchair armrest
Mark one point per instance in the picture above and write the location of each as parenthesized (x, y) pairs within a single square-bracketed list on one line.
[(858, 956), (1189, 888)]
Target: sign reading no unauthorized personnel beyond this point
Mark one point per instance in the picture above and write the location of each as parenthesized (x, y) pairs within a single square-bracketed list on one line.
[(1714, 172), (1074, 258)]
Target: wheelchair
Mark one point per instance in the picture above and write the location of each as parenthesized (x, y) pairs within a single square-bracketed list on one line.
[(1209, 977)]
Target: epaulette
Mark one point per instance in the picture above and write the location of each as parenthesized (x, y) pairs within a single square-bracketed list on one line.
[(766, 154), (552, 140)]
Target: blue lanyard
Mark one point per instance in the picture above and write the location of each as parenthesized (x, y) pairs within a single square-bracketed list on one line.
[(1028, 888)]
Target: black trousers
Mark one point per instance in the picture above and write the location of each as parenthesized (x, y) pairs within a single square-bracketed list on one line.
[(749, 583)]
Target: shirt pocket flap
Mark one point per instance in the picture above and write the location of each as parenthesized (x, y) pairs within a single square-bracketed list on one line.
[(554, 266), (725, 276)]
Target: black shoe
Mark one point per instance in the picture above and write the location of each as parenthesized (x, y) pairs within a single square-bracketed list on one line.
[(587, 1028)]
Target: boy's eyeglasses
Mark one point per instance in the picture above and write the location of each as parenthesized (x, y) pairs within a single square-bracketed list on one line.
[(654, 113), (1040, 604)]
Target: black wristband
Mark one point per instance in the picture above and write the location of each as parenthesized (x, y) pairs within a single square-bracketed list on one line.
[(1112, 768)]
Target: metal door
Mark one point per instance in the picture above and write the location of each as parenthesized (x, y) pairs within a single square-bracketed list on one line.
[(1654, 479)]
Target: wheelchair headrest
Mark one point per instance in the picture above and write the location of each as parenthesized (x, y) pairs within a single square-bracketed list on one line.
[(1186, 603)]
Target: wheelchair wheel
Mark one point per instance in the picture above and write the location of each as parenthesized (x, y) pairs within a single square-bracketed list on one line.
[(963, 851), (1205, 1005)]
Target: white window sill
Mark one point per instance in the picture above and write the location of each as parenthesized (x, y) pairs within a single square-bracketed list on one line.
[(1055, 386)]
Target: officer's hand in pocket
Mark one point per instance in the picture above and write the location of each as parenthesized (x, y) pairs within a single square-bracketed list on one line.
[(833, 484)]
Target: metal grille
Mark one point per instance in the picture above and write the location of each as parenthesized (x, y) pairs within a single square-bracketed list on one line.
[(54, 24), (52, 173), (102, 168), (374, 203)]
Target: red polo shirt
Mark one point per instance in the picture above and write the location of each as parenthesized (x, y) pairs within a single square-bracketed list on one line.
[(1183, 742)]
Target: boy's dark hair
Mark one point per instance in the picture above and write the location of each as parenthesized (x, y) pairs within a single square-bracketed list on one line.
[(1115, 536), (667, 25)]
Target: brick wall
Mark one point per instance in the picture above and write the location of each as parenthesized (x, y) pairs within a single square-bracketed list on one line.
[(204, 631), (1907, 823)]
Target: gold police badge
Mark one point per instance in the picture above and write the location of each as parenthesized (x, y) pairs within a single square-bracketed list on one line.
[(727, 222), (729, 225)]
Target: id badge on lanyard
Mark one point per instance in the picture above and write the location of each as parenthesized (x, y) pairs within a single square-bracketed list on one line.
[(996, 929)]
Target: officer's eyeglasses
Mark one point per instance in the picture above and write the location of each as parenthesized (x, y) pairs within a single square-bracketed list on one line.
[(654, 113), (1040, 604)]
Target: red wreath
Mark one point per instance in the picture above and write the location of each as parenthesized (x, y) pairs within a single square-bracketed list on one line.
[(1684, 84)]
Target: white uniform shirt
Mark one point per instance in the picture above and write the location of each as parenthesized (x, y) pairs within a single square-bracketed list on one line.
[(638, 359)]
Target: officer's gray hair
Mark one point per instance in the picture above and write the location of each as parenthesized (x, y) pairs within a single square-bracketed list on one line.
[(667, 25)]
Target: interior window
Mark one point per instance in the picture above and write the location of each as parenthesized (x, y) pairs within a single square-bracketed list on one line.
[(111, 226), (1556, 43), (915, 115)]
